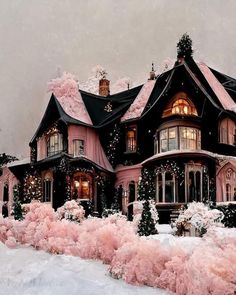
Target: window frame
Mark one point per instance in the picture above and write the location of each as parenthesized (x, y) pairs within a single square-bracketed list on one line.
[(79, 152), (54, 146), (179, 141), (131, 142), (47, 187)]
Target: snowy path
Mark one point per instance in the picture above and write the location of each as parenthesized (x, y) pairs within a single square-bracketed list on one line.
[(25, 271)]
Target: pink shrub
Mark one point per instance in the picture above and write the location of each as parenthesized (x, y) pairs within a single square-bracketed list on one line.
[(72, 211), (11, 242), (209, 268), (139, 262)]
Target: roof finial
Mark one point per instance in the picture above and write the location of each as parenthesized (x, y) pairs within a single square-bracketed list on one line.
[(152, 73)]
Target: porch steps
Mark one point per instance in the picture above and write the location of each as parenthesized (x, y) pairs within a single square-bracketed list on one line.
[(174, 215)]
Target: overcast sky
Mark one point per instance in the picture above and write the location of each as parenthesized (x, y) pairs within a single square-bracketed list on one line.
[(125, 36)]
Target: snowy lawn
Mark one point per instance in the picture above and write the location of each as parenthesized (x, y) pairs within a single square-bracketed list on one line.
[(29, 272)]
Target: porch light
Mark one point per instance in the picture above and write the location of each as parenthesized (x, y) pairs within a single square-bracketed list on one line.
[(76, 184)]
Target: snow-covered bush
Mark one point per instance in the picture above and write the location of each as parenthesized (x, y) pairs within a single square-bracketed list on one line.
[(198, 216), (71, 211)]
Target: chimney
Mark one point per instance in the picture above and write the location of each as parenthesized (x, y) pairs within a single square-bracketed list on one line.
[(104, 87)]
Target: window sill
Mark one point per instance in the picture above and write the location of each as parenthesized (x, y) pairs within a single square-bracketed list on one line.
[(130, 152)]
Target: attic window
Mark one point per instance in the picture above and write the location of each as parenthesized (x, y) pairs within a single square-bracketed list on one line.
[(180, 105)]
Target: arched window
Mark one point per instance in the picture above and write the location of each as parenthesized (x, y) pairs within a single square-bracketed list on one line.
[(169, 188), (194, 182), (227, 131), (82, 186), (180, 104), (166, 184), (6, 193), (228, 192)]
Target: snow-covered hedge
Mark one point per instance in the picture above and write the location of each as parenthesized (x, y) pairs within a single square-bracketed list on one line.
[(199, 216), (208, 269)]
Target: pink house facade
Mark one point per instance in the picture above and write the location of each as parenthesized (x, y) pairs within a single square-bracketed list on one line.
[(175, 135)]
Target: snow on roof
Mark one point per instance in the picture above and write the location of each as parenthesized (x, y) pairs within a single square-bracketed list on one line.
[(137, 107), (200, 152), (75, 108), (19, 162), (223, 96)]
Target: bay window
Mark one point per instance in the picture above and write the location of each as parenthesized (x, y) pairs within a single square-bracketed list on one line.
[(178, 138)]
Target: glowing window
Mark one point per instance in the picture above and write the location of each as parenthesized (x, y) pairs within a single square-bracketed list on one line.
[(131, 141), (182, 107)]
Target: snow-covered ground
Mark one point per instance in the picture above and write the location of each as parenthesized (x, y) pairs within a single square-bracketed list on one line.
[(26, 271)]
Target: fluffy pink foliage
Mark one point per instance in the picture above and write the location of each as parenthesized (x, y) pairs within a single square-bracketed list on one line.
[(72, 211), (146, 262), (66, 90), (208, 269), (64, 86)]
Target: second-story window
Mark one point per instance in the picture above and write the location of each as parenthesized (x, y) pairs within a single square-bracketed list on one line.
[(78, 147), (178, 138), (131, 140), (54, 144), (227, 131)]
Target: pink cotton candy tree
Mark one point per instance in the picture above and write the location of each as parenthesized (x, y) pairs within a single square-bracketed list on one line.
[(64, 86)]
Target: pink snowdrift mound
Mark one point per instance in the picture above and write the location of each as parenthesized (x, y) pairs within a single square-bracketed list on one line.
[(137, 107), (208, 269), (223, 96), (66, 91)]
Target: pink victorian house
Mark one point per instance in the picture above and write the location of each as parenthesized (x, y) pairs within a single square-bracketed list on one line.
[(175, 135)]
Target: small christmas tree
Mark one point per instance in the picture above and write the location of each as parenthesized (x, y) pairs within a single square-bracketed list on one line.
[(184, 47), (146, 225), (16, 208)]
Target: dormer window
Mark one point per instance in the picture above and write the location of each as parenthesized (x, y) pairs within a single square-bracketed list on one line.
[(180, 104), (131, 139), (182, 107), (78, 147), (54, 144)]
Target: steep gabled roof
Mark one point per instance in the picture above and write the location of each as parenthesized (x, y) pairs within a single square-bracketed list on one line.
[(200, 77), (227, 82), (226, 101), (54, 112), (75, 108)]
